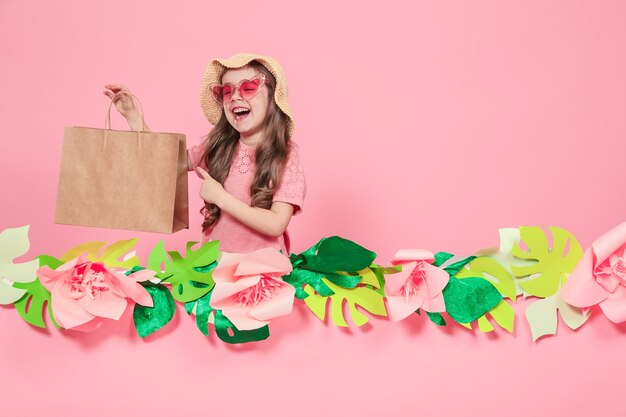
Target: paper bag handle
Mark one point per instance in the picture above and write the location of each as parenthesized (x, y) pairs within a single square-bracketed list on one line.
[(107, 121)]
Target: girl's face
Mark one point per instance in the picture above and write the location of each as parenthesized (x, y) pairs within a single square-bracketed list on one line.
[(251, 122)]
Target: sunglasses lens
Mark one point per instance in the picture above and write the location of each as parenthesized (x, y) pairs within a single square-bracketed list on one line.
[(216, 92), (227, 92), (249, 89)]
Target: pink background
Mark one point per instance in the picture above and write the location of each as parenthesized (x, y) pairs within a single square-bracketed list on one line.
[(428, 126)]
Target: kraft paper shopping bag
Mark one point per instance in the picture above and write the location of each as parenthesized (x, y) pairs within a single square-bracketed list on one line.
[(133, 180)]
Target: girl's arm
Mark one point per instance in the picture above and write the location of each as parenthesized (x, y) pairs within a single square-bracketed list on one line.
[(272, 222)]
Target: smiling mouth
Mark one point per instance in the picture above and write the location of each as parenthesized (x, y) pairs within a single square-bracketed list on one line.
[(242, 115)]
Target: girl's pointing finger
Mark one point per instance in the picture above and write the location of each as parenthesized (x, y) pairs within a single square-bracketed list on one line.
[(202, 172)]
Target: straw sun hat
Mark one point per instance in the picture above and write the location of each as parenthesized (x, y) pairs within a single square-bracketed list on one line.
[(215, 70)]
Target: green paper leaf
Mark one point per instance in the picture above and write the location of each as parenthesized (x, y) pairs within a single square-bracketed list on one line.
[(436, 318), (492, 271), (469, 298), (339, 254), (441, 258), (151, 319), (363, 296), (545, 277), (222, 325), (110, 256), (33, 303), (191, 277)]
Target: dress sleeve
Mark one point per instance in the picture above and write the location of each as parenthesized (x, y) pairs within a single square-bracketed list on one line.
[(292, 187), (195, 156)]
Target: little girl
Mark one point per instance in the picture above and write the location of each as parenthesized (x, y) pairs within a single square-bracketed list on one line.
[(253, 178)]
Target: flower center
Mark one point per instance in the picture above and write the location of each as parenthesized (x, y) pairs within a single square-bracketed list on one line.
[(88, 281), (264, 289), (618, 267), (413, 282)]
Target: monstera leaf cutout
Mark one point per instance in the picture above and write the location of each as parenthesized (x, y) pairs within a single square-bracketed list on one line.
[(364, 295), (13, 244), (492, 271), (549, 272), (542, 316), (32, 305), (109, 255), (191, 277)]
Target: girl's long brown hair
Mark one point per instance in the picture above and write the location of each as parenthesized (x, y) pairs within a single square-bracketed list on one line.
[(270, 153)]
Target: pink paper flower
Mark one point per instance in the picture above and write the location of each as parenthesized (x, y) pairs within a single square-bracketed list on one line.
[(419, 285), (249, 289), (600, 276), (84, 293)]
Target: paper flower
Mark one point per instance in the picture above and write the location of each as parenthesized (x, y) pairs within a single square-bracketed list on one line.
[(249, 289), (600, 276), (84, 293), (418, 285)]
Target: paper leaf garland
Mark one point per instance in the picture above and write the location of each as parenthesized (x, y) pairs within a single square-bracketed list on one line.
[(492, 271), (151, 319), (544, 278), (32, 305), (13, 244), (334, 271), (185, 273), (542, 316), (110, 256), (364, 296)]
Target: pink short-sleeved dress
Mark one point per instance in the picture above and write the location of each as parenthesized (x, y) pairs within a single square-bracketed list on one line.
[(235, 236)]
